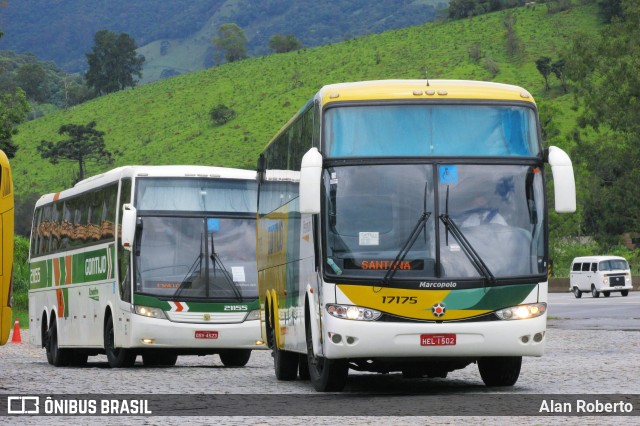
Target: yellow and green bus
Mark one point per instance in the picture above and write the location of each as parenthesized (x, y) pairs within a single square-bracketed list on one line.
[(403, 226), (6, 256)]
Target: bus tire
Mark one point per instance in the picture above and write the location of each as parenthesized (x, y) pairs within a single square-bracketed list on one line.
[(624, 292), (235, 357), (285, 363), (606, 293), (326, 375), (117, 357), (500, 370), (595, 293), (577, 293), (59, 357)]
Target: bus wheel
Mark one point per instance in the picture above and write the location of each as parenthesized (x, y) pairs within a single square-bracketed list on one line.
[(117, 357), (624, 292), (327, 375), (285, 363), (595, 293), (577, 293), (235, 357), (606, 293), (59, 357), (500, 370), (303, 367), (152, 359)]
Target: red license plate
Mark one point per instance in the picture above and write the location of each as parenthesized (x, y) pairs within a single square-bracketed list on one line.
[(437, 340), (206, 334)]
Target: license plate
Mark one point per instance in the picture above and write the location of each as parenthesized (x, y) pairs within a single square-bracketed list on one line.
[(437, 340), (206, 334)]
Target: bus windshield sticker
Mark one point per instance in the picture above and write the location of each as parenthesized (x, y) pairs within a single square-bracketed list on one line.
[(369, 238), (238, 274), (213, 225), (448, 174)]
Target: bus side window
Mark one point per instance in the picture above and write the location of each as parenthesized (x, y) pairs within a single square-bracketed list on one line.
[(44, 230), (594, 267)]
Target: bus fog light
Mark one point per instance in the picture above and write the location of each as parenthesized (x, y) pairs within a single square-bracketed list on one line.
[(147, 311), (538, 337), (351, 340), (525, 339), (519, 312), (336, 338), (351, 312)]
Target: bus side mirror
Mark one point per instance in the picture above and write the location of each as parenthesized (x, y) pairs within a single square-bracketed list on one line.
[(563, 180), (310, 177), (128, 226)]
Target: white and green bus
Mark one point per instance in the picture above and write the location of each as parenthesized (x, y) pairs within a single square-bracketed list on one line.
[(157, 261), (403, 226)]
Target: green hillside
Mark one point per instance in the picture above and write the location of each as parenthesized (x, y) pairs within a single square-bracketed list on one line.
[(168, 122)]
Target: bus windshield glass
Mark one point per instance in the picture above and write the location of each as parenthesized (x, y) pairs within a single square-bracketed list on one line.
[(186, 258), (372, 211), (196, 239), (430, 130)]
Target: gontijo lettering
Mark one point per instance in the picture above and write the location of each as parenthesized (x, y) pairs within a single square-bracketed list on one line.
[(95, 265)]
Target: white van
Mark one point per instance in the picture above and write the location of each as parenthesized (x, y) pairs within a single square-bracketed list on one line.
[(600, 274)]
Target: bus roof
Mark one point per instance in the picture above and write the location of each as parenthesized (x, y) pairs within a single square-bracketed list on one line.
[(422, 89), (148, 171)]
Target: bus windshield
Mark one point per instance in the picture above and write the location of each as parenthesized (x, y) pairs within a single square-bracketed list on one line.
[(371, 212), (430, 130), (186, 258), (196, 239)]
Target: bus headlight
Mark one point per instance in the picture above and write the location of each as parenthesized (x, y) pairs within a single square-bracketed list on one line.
[(522, 311), (147, 311), (351, 312), (253, 315)]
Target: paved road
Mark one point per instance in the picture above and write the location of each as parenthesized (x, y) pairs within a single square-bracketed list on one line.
[(588, 313), (584, 356)]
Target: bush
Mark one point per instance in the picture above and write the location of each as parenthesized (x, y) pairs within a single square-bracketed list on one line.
[(221, 114), (21, 274)]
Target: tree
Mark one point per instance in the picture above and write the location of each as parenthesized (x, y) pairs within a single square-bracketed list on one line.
[(543, 65), (557, 68), (604, 71), (459, 9), (231, 42), (33, 80), (113, 62), (280, 43), (84, 143), (13, 111)]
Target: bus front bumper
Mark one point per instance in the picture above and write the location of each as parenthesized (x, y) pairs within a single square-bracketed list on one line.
[(152, 333), (362, 339)]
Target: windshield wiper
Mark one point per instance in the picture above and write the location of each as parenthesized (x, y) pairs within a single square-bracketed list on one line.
[(227, 276), (420, 225), (467, 248), (190, 273)]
